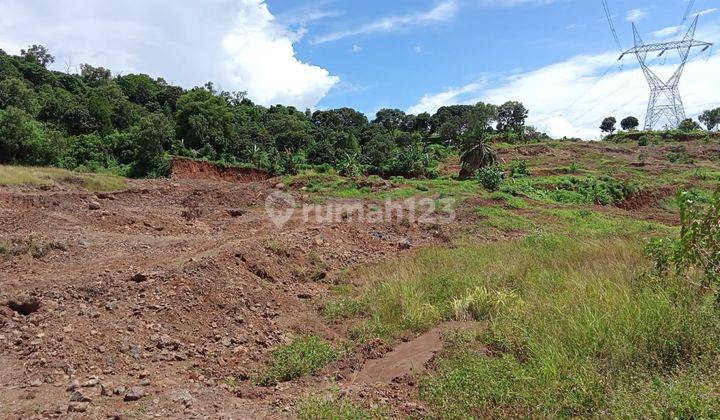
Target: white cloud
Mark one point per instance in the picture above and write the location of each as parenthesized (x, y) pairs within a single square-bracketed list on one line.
[(636, 15), (236, 43), (552, 93), (666, 32), (356, 48), (708, 11), (431, 102), (443, 11), (261, 56)]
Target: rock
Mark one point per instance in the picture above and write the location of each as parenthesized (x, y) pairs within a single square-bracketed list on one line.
[(35, 383), (134, 394), (78, 407), (93, 381), (404, 243), (236, 212), (78, 396), (145, 382), (279, 186), (106, 390), (94, 205), (181, 395), (139, 278), (304, 295), (119, 390), (73, 385)]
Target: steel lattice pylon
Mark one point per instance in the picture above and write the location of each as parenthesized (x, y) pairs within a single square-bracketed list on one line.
[(665, 101)]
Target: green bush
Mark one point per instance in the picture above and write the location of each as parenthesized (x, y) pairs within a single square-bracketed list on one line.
[(698, 246), (490, 178), (519, 168)]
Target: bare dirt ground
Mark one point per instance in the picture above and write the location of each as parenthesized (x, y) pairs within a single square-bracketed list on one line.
[(149, 301), (165, 299)]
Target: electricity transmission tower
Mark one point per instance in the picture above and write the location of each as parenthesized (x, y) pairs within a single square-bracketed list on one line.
[(665, 101)]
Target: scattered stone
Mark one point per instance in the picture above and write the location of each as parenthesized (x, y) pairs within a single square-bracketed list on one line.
[(405, 243), (94, 205), (134, 394), (78, 396), (75, 384), (279, 186), (182, 396), (78, 407), (93, 381), (304, 295), (139, 278), (106, 390), (236, 212), (145, 382), (35, 383), (119, 390)]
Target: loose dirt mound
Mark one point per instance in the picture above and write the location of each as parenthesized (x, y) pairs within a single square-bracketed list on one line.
[(183, 168)]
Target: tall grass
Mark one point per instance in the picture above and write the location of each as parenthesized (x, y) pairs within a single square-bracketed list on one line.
[(575, 324)]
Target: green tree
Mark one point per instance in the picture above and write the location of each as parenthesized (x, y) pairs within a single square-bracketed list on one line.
[(153, 136), (203, 117), (38, 54), (629, 123), (23, 140), (711, 118), (511, 116), (608, 125), (14, 92), (689, 125), (476, 153)]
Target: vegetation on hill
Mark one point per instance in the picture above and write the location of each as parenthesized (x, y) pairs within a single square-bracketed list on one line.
[(130, 124)]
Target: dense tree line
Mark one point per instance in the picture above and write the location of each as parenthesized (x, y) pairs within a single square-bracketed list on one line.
[(130, 124)]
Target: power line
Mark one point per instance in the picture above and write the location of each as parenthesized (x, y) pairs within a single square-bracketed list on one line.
[(612, 25), (689, 9)]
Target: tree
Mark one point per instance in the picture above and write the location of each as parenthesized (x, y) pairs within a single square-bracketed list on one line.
[(38, 54), (688, 125), (23, 140), (153, 136), (14, 92), (476, 153), (511, 116), (608, 125), (711, 118), (390, 118), (629, 123), (95, 75)]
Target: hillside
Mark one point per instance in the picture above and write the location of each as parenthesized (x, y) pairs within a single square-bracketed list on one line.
[(180, 297)]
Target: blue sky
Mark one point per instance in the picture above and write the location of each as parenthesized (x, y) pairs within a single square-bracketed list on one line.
[(415, 55)]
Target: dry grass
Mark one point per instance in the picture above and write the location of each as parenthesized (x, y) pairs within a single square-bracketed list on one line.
[(25, 175)]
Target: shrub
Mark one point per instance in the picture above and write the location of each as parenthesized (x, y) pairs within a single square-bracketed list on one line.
[(519, 168), (490, 178), (698, 246)]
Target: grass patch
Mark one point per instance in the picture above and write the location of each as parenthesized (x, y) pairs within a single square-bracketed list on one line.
[(503, 220), (342, 308), (302, 356), (578, 327), (25, 175)]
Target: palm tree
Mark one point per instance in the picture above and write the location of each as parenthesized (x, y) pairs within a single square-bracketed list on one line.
[(476, 153)]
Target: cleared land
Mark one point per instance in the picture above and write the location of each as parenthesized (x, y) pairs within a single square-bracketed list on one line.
[(180, 297)]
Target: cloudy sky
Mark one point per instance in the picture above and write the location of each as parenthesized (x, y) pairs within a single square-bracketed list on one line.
[(416, 55)]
